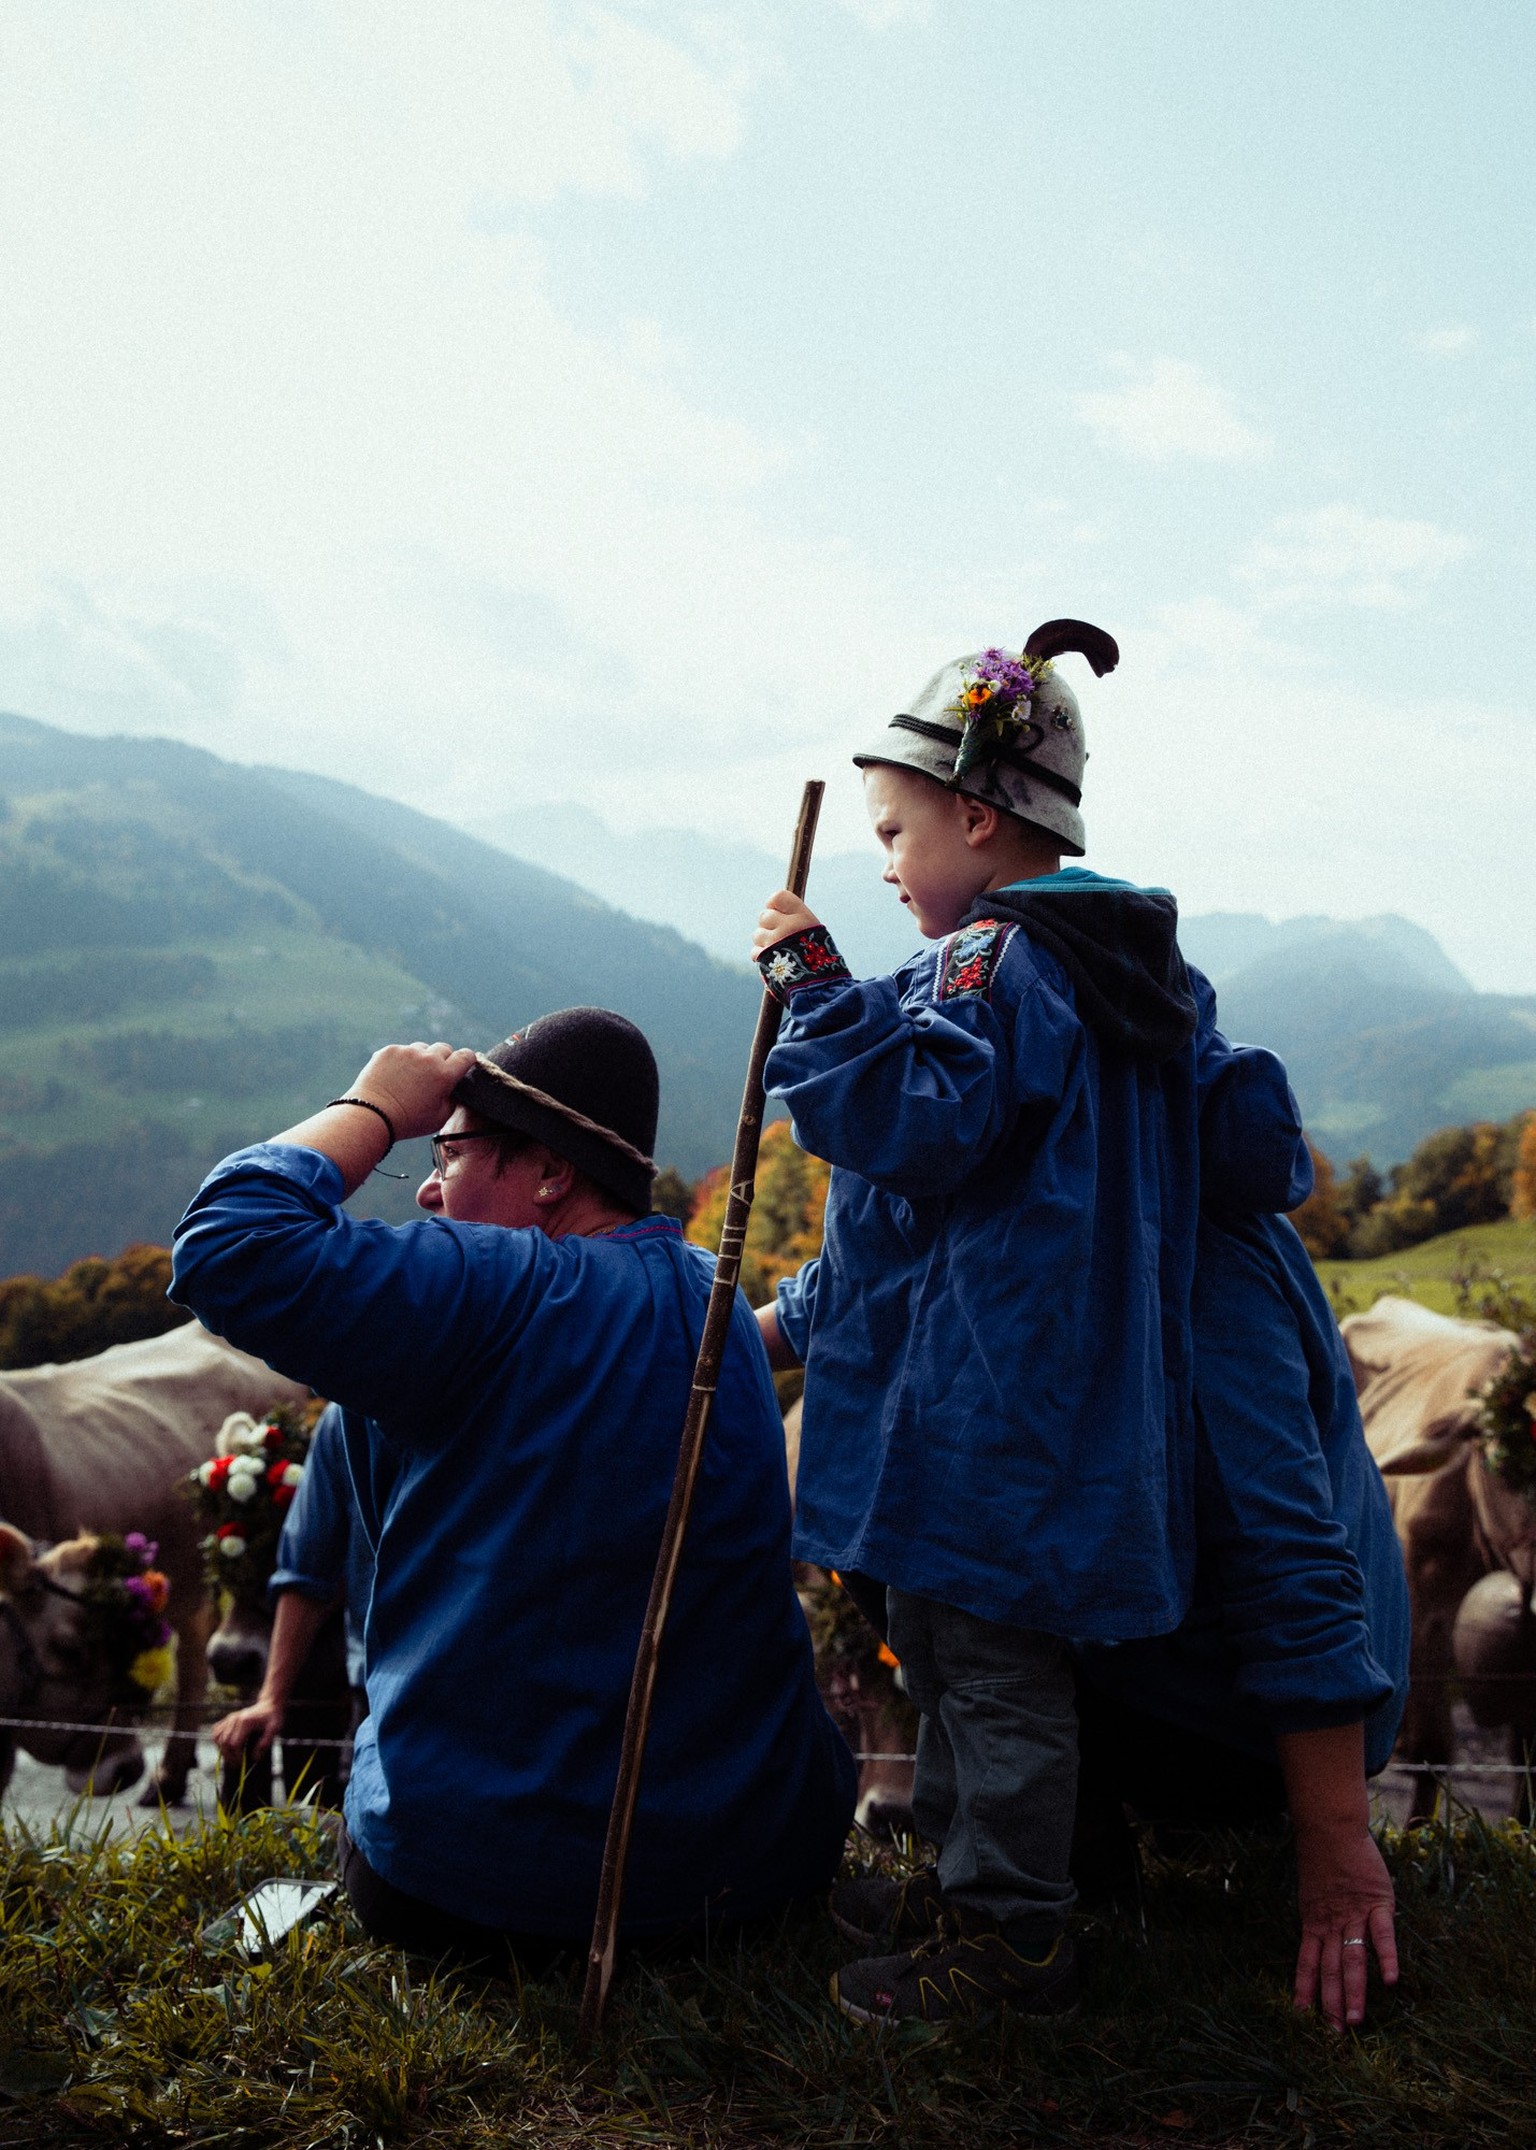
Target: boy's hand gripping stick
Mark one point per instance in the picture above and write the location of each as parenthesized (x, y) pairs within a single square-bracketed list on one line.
[(706, 1376)]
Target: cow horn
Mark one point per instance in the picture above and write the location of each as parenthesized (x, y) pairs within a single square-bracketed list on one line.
[(1049, 640)]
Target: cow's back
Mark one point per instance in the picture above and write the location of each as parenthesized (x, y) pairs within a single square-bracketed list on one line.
[(118, 1431), (27, 1495), (1418, 1376)]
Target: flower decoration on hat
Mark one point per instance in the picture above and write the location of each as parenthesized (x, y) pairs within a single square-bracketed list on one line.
[(125, 1595), (243, 1494), (1506, 1419), (994, 706)]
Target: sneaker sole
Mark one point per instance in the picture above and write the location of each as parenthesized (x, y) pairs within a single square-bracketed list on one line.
[(855, 2015)]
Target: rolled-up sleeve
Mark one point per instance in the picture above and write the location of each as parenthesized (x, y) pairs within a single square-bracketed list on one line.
[(317, 1531), (388, 1319), (796, 1307), (1289, 1587)]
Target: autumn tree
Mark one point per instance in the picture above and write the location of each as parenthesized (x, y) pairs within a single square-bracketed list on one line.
[(1361, 1188), (787, 1213), (1523, 1182), (672, 1195), (94, 1304), (1321, 1220)]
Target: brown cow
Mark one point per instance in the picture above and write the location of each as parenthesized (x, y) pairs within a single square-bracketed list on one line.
[(103, 1443), (49, 1672), (1419, 1376)]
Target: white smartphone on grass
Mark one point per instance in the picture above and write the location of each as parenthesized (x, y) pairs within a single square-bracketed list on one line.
[(261, 1919)]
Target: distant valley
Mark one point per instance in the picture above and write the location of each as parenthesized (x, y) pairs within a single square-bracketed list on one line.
[(192, 954)]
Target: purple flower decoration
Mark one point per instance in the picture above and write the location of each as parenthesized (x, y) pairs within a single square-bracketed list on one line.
[(1011, 675), (144, 1548), (993, 707)]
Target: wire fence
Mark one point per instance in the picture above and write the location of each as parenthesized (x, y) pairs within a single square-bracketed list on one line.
[(1397, 1768)]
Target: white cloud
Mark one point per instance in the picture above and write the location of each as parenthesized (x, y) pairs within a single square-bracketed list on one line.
[(1339, 556), (1167, 409), (1445, 342), (304, 462)]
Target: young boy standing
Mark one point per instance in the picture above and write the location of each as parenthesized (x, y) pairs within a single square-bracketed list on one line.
[(996, 1335)]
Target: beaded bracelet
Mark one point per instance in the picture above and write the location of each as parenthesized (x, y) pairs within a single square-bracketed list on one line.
[(368, 1106)]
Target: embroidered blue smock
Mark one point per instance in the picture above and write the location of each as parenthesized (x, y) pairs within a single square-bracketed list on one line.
[(996, 1334), (1300, 1613), (323, 1551), (512, 1409)]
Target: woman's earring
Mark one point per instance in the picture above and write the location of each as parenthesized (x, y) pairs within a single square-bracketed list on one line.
[(546, 1192)]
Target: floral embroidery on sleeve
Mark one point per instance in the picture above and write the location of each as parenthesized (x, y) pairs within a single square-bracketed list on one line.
[(809, 957), (970, 958)]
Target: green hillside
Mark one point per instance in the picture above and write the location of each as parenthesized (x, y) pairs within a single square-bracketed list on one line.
[(1433, 1272), (192, 954)]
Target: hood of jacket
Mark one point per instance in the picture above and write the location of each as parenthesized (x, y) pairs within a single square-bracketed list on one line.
[(1119, 946)]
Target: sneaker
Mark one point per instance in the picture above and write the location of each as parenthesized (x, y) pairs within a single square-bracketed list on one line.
[(964, 1969), (881, 1911)]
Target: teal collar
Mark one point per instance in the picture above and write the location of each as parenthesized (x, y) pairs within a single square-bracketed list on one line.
[(1068, 878)]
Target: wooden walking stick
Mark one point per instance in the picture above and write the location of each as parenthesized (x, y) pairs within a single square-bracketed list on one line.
[(706, 1375)]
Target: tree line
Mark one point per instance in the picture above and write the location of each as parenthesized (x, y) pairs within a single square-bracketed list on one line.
[(1457, 1177)]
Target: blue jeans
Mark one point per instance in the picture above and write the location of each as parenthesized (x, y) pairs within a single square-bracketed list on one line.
[(996, 1780)]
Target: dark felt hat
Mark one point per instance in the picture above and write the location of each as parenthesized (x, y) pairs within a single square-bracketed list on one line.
[(583, 1082)]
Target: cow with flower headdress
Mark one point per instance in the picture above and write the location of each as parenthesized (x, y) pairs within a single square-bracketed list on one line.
[(92, 1455), (278, 1516)]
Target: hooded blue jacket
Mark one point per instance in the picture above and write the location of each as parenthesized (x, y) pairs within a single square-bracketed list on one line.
[(1300, 1611), (512, 1408), (323, 1552), (996, 1334)]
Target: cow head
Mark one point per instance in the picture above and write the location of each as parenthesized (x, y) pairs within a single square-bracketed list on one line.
[(237, 1650), (52, 1670)]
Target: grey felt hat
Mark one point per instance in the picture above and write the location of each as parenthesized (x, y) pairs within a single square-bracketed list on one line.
[(1006, 729)]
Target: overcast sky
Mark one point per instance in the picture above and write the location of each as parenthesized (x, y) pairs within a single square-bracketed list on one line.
[(633, 403)]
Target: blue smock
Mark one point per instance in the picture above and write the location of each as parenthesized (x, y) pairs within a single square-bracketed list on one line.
[(323, 1551), (512, 1409), (996, 1336), (1300, 1614)]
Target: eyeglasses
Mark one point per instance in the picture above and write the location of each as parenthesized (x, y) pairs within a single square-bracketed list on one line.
[(445, 1148)]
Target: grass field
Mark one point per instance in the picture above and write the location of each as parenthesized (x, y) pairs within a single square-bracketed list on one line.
[(239, 1050), (1436, 1272), (118, 2025)]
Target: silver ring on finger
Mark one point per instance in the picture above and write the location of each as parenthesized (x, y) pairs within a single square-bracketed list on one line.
[(1354, 1940)]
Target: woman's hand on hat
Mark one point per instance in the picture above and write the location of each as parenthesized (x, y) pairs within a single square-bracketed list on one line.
[(414, 1084), (782, 915)]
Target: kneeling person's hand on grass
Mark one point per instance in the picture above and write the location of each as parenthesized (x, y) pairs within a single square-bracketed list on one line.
[(1343, 1886)]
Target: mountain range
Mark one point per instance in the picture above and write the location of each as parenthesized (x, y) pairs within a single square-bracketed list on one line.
[(1385, 1038), (192, 953)]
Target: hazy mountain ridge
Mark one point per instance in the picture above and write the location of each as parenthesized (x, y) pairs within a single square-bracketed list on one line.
[(193, 953)]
